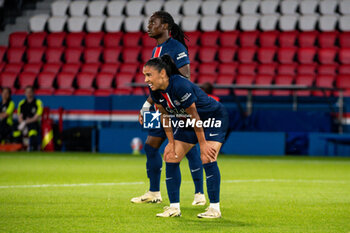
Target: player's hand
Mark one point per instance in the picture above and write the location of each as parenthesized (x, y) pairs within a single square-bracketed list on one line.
[(169, 152), (140, 118), (208, 153)]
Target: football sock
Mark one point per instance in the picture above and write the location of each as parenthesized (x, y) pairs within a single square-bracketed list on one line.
[(215, 206), (173, 181), (154, 167), (176, 205), (213, 181), (196, 168)]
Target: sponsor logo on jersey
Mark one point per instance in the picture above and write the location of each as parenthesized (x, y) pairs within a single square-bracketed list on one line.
[(181, 55)]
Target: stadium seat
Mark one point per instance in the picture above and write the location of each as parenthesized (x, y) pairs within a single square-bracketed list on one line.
[(122, 81), (286, 55), (268, 38), (173, 7), (224, 79), (308, 7), (35, 55), (191, 7), (268, 69), (323, 81), (304, 80), (37, 23), (246, 54), (15, 54), (65, 83), (2, 53), (266, 55), (229, 38), (2, 66), (193, 69), (344, 39), (327, 39), (308, 22), (133, 23), (243, 79), (289, 7), (190, 23), (13, 68), (306, 55), (288, 22), (134, 7), (209, 38), (95, 23), (84, 83), (52, 67), (152, 6), (75, 39), (78, 8), (114, 24), (90, 68), (93, 39), (132, 39), (227, 54), (59, 8), (328, 23), (249, 22), (343, 81), (263, 80), (146, 53), (32, 67), (7, 79), (287, 69), (92, 55), (209, 23), (207, 54), (288, 39), (328, 69), (56, 23), (129, 68), (327, 55), (104, 80), (115, 8), (228, 22), (131, 54), (45, 81), (344, 69), (208, 68), (73, 55), (55, 39), (97, 8), (18, 39), (72, 68), (307, 39), (76, 23), (268, 7), (268, 22), (54, 55), (248, 69), (112, 40), (249, 7), (344, 55), (26, 79), (229, 7), (36, 39), (307, 69), (147, 41), (248, 38), (192, 53), (283, 80), (228, 68), (111, 68), (344, 7), (328, 7), (206, 78), (344, 23)]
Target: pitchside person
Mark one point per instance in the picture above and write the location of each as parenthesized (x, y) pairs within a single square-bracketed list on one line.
[(160, 26), (174, 94), (7, 107)]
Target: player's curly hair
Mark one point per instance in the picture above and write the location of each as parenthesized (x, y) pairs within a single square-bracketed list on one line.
[(164, 62), (175, 30)]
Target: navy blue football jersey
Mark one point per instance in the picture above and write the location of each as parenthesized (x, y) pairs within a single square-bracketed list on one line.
[(175, 49)]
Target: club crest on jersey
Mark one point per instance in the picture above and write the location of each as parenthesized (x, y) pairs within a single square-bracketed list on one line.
[(176, 102)]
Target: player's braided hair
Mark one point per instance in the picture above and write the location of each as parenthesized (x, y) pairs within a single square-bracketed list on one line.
[(175, 30), (164, 62)]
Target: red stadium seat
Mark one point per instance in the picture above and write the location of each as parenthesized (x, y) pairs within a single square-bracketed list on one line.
[(129, 68), (306, 55), (7, 79), (84, 83), (132, 39), (224, 79), (54, 55), (287, 39), (323, 81), (90, 68), (248, 38), (228, 68), (73, 55), (344, 39), (209, 38), (307, 39), (327, 39), (112, 40), (2, 66), (146, 53), (286, 55), (193, 38), (263, 80), (148, 41), (36, 39), (94, 39), (92, 55), (283, 80), (56, 39), (138, 91), (35, 55), (344, 69), (247, 69), (2, 53), (287, 69), (343, 81), (267, 69), (206, 78), (111, 55), (246, 54), (52, 67), (131, 54), (13, 67), (111, 68), (268, 38), (193, 53), (123, 80), (207, 54), (327, 69), (227, 54), (44, 91), (104, 80), (266, 55), (327, 55), (306, 80), (208, 68), (243, 79), (18, 39), (71, 68), (32, 67), (193, 68), (65, 83), (309, 69), (75, 39), (26, 79), (45, 80), (229, 38), (140, 78), (15, 55), (344, 55)]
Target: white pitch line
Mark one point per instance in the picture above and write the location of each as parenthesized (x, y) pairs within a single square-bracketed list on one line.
[(136, 183)]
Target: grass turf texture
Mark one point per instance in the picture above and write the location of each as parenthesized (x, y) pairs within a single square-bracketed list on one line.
[(259, 194)]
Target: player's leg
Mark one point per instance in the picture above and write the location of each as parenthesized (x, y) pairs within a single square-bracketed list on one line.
[(154, 169), (173, 179)]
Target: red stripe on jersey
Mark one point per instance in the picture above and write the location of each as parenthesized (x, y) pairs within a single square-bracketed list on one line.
[(170, 104), (157, 52)]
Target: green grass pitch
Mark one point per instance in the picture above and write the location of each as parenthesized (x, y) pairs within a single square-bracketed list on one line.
[(83, 192)]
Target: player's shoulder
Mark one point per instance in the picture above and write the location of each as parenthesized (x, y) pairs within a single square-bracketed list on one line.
[(180, 81)]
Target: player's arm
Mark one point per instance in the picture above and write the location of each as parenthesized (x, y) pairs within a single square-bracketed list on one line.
[(19, 111), (185, 71), (38, 113), (206, 150), (145, 108), (9, 111)]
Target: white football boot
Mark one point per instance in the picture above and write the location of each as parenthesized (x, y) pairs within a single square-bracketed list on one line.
[(210, 213), (148, 197), (170, 212), (199, 199)]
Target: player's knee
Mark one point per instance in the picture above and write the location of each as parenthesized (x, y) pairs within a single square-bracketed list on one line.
[(154, 142)]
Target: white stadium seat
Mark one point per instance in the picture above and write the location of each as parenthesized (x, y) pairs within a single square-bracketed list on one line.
[(191, 7), (249, 7), (37, 23), (228, 22), (190, 23), (210, 7), (209, 23), (134, 7), (229, 7), (308, 6), (153, 6), (59, 8), (97, 8), (269, 7), (57, 23), (249, 22), (308, 22), (328, 22), (328, 7), (95, 23), (268, 22), (344, 7), (133, 23), (114, 23), (115, 8), (289, 7), (76, 23), (288, 22), (173, 7), (78, 8), (344, 23)]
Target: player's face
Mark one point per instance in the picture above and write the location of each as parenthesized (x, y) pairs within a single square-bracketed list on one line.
[(5, 94), (155, 27), (156, 80)]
